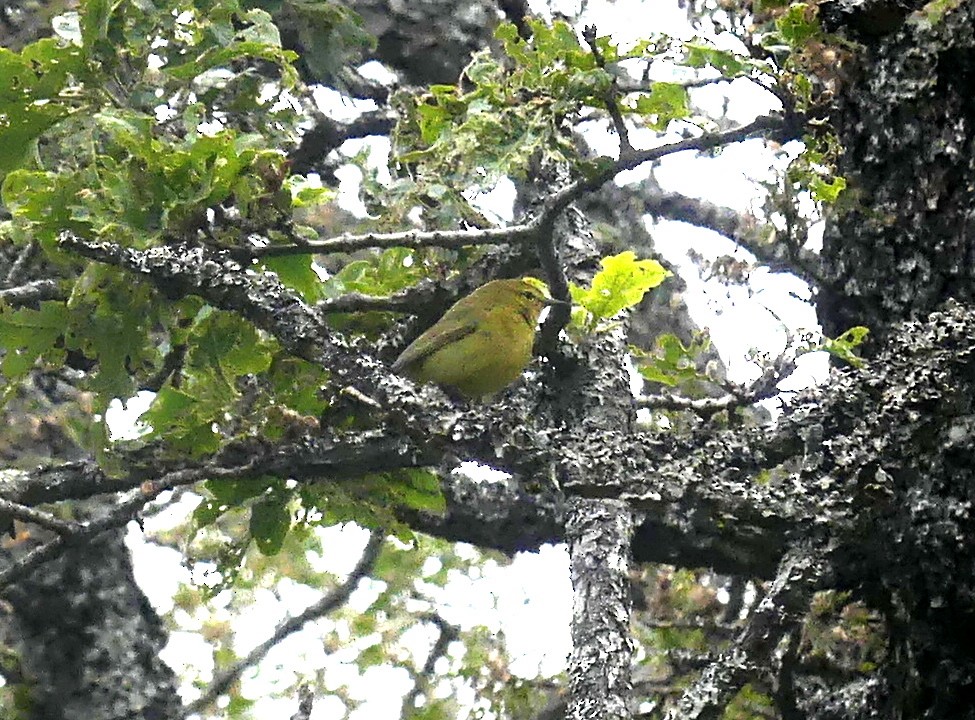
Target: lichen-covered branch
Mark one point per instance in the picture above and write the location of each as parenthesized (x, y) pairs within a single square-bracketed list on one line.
[(598, 535), (803, 571)]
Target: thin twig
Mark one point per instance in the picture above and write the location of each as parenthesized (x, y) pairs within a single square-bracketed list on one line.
[(765, 387), (703, 406), (406, 238), (520, 233), (171, 367), (120, 515), (32, 292), (38, 517), (20, 264), (306, 701), (612, 105), (331, 601), (359, 302), (448, 633), (29, 562), (559, 200)]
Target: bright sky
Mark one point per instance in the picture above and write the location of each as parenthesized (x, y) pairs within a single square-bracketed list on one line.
[(529, 600)]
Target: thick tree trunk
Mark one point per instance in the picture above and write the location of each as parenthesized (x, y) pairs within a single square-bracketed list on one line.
[(905, 117), (87, 639)]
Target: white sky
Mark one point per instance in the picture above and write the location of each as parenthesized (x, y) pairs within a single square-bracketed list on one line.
[(529, 600)]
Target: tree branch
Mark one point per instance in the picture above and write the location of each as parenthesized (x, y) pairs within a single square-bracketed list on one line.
[(329, 134), (32, 292), (525, 232), (743, 229), (612, 105), (446, 635), (803, 571), (330, 602), (38, 517)]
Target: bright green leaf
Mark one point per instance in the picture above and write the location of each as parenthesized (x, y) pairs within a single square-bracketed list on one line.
[(844, 347), (621, 284), (665, 102), (827, 190), (798, 24)]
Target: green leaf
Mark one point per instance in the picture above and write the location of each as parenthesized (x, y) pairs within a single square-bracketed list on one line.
[(27, 334), (226, 495), (30, 96), (844, 347), (221, 57), (672, 363), (331, 35), (185, 421), (296, 384), (827, 190), (229, 344), (699, 55), (95, 17), (621, 284), (235, 491), (269, 524), (665, 102), (417, 489), (934, 12), (296, 272), (381, 274), (110, 319), (306, 193), (798, 24)]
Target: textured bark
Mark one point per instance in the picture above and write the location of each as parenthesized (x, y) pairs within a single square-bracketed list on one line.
[(87, 639), (905, 119), (598, 534), (428, 41)]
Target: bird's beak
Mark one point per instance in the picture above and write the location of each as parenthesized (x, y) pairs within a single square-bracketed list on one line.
[(554, 301)]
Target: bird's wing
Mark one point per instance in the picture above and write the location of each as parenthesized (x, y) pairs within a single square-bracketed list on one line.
[(430, 342)]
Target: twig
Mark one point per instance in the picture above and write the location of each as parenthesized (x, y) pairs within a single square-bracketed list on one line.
[(710, 626), (707, 406), (743, 229), (38, 517), (358, 302), (645, 87), (306, 700), (558, 283), (406, 238), (121, 514), (559, 200), (32, 292), (802, 571), (20, 264), (171, 366), (329, 134), (612, 106), (177, 495), (762, 389), (448, 633), (520, 233), (27, 564), (333, 600)]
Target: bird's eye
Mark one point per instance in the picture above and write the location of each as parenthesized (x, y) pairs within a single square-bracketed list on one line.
[(529, 294)]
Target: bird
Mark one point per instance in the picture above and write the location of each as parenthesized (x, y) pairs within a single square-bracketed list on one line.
[(483, 342)]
